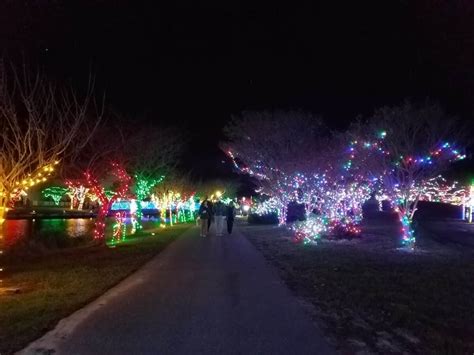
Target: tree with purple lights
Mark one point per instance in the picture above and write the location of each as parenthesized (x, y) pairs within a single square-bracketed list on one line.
[(399, 149), (280, 149), (397, 152)]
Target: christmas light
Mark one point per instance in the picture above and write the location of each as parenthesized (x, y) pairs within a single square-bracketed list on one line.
[(398, 180), (143, 187), (311, 230), (272, 205), (119, 228), (55, 193), (334, 191), (30, 180), (78, 193), (106, 201)]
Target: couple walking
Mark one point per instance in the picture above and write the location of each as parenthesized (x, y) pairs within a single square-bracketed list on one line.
[(219, 212)]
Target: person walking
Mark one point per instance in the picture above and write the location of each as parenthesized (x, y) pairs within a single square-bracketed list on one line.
[(211, 213), (204, 216), (219, 216), (230, 214)]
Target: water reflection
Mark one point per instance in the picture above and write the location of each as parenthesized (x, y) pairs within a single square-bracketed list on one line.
[(16, 231)]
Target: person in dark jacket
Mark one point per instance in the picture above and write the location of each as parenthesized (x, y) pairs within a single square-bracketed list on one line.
[(204, 216), (210, 205), (230, 214)]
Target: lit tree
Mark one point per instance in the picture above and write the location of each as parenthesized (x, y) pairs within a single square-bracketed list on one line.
[(39, 125), (56, 193), (106, 200), (151, 154), (401, 147), (279, 148), (174, 195), (105, 146), (438, 189), (77, 192)]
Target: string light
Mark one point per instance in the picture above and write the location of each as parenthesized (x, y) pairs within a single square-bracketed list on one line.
[(78, 193), (395, 188), (56, 193), (23, 185), (143, 187), (119, 228), (106, 201), (336, 195)]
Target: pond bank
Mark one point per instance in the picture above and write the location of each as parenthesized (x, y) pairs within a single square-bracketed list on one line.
[(47, 213), (53, 286)]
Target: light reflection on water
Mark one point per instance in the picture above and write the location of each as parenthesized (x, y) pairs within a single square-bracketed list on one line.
[(15, 231)]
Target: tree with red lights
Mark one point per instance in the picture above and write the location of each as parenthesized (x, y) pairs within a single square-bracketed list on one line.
[(122, 182)]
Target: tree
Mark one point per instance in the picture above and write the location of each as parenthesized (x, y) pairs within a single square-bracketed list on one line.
[(151, 154), (122, 182), (279, 148), (56, 193), (95, 157), (40, 124), (403, 146), (175, 194)]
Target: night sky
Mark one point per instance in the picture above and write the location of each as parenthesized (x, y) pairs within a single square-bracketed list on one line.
[(195, 63)]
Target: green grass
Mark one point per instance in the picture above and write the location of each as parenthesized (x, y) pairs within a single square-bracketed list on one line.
[(371, 297), (55, 285)]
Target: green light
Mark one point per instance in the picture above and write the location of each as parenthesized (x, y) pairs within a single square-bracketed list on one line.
[(143, 186), (55, 192)]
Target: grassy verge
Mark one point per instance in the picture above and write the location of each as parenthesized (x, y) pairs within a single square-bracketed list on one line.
[(55, 285), (377, 299)]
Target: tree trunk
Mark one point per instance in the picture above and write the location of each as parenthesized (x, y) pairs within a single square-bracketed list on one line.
[(415, 205), (71, 197), (81, 203), (408, 239), (4, 203), (138, 216), (2, 215), (81, 196), (282, 218), (99, 231)]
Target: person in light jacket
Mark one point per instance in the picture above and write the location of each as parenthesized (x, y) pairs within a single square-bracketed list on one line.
[(219, 216)]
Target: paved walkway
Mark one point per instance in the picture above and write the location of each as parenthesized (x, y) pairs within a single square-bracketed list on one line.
[(212, 295)]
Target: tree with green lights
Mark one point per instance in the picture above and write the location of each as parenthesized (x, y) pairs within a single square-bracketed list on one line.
[(152, 153), (56, 193), (142, 188)]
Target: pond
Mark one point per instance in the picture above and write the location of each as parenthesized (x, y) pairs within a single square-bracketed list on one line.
[(18, 231)]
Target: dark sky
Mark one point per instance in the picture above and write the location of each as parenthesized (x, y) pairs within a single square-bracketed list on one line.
[(195, 62)]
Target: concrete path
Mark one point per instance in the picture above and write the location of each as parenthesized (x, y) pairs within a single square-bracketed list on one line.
[(214, 295)]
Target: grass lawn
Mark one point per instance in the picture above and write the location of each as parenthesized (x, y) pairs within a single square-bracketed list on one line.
[(374, 298), (55, 285)]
